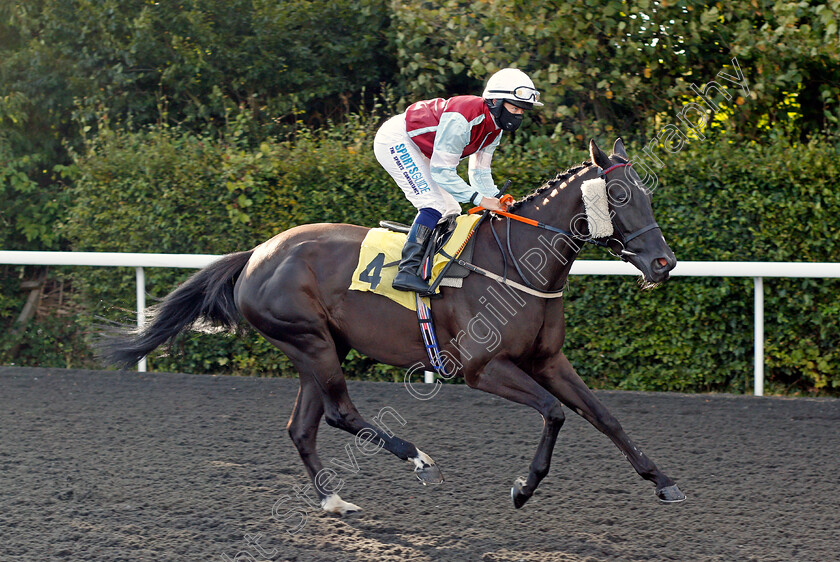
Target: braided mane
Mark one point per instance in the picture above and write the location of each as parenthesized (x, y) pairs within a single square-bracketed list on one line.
[(550, 184)]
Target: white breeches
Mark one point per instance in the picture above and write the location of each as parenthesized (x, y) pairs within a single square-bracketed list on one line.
[(409, 167)]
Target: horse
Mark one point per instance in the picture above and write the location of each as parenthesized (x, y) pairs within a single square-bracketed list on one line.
[(293, 290)]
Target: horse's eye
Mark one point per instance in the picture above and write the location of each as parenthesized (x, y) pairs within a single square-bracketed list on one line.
[(619, 196)]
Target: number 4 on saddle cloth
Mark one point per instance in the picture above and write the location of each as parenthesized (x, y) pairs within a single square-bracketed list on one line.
[(382, 249), (380, 255)]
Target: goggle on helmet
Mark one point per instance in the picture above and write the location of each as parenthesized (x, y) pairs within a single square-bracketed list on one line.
[(514, 86)]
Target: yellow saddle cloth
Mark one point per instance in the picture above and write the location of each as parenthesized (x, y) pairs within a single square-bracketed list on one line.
[(380, 255)]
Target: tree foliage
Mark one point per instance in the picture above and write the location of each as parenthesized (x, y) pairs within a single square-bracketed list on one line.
[(67, 66), (621, 64)]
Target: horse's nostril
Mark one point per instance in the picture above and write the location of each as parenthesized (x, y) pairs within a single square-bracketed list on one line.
[(662, 261)]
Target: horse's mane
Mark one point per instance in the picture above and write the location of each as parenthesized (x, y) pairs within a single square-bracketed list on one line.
[(550, 184)]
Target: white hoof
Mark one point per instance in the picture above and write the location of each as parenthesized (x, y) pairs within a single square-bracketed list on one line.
[(334, 504), (426, 470), (422, 460)]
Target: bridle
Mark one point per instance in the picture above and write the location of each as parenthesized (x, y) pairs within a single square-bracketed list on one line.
[(623, 253)]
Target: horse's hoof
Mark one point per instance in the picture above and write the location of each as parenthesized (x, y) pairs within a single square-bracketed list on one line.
[(670, 494), (425, 469), (518, 493), (429, 474), (334, 504)]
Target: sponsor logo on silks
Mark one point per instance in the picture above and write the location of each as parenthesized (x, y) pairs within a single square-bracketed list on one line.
[(410, 170)]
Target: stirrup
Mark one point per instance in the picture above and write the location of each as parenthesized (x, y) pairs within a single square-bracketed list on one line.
[(413, 283)]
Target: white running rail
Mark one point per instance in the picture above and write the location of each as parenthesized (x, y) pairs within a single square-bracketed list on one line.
[(757, 270)]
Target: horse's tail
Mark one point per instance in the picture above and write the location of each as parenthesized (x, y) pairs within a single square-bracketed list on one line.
[(206, 296)]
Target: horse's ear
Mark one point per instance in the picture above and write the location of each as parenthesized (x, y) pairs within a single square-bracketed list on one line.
[(597, 155), (618, 149)]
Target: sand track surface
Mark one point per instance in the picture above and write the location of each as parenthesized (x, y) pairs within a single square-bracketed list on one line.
[(128, 466)]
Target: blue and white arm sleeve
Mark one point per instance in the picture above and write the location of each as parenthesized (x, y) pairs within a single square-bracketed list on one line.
[(453, 134), (481, 179)]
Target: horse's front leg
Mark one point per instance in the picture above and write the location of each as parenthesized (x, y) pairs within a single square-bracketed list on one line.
[(502, 378), (559, 377)]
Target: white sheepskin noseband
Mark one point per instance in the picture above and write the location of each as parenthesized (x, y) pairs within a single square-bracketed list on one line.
[(597, 208)]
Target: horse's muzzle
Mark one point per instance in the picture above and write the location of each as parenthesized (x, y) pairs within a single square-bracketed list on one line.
[(660, 268)]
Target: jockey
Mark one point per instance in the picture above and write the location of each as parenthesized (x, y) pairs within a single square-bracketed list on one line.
[(422, 147)]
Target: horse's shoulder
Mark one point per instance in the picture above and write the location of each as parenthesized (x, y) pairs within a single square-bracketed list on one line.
[(552, 334)]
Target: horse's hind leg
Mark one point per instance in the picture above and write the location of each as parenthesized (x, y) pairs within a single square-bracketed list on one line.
[(503, 378), (340, 412), (324, 392), (560, 378), (303, 430)]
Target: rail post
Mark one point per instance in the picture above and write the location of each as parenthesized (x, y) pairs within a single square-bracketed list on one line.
[(759, 336), (141, 309)]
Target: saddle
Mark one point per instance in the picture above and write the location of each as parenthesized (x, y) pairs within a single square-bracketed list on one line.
[(451, 275), (438, 239), (381, 250)]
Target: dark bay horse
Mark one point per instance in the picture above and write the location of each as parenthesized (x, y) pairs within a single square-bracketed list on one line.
[(293, 289)]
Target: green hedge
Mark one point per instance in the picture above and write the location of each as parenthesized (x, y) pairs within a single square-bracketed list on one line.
[(162, 190), (167, 191), (731, 202)]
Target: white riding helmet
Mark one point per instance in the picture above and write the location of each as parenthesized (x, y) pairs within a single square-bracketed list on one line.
[(514, 86)]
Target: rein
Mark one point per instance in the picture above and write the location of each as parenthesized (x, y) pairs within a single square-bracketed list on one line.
[(525, 220), (508, 199)]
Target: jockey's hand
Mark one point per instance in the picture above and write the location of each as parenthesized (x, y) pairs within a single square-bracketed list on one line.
[(492, 204)]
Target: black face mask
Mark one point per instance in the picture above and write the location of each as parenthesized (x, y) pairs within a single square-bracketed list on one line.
[(506, 120), (509, 121)]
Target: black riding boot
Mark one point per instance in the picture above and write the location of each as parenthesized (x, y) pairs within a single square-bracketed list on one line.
[(408, 278)]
